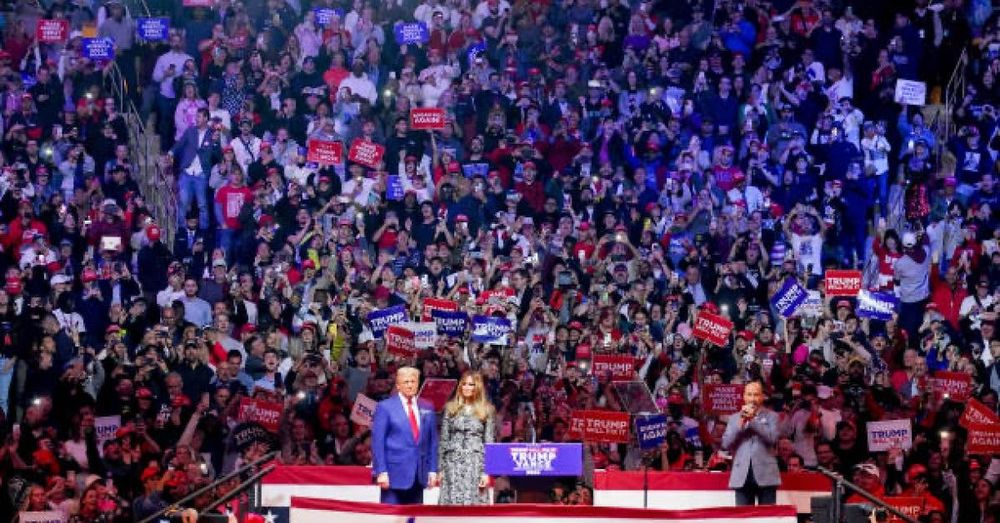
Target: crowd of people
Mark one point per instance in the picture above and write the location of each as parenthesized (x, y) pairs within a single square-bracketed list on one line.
[(608, 170)]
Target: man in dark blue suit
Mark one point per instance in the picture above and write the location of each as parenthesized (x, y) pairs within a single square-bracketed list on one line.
[(187, 236), (404, 443), (194, 155)]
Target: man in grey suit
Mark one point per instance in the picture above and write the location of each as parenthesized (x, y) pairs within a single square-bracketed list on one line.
[(750, 436)]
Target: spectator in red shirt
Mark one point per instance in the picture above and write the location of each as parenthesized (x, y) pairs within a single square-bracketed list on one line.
[(336, 72), (948, 294), (917, 487), (25, 221), (229, 201), (531, 190), (868, 477)]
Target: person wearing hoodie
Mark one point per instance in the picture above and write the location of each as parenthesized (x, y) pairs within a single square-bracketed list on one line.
[(912, 272), (152, 257)]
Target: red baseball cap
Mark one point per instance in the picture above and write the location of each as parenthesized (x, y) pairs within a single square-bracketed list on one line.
[(153, 233), (149, 473), (13, 286), (88, 275)]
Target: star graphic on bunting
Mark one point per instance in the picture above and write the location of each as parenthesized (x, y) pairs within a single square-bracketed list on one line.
[(270, 517)]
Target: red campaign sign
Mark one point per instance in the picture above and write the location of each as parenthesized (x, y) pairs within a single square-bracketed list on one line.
[(52, 31), (426, 119), (400, 341), (368, 154), (983, 439), (722, 398), (600, 426), (436, 304), (265, 413), (956, 386), (843, 283), (712, 328), (911, 506), (977, 413), (437, 391), (622, 368), (325, 152)]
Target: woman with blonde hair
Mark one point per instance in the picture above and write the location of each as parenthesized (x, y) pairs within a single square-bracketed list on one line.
[(467, 427)]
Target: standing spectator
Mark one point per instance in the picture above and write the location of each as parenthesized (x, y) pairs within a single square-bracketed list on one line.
[(229, 201), (168, 67), (194, 154)]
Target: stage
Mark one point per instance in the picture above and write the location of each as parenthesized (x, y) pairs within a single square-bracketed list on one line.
[(311, 510), (613, 491)]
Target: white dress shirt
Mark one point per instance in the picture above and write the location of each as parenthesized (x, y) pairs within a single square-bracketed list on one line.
[(407, 405)]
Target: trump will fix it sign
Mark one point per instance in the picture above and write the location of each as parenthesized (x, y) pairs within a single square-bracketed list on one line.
[(712, 328)]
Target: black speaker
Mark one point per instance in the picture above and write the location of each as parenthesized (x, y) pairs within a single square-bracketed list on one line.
[(853, 512), (213, 518)]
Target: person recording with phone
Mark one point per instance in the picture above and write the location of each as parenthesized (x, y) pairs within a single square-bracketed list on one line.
[(751, 435)]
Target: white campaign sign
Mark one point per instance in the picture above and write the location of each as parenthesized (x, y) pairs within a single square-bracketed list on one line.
[(363, 411), (424, 333), (884, 435), (106, 427), (910, 92), (48, 516)]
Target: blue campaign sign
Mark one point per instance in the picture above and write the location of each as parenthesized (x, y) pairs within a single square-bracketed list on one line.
[(394, 188), (471, 170), (651, 431), (534, 459), (324, 15), (490, 329), (450, 323), (876, 305), (152, 29), (380, 320), (788, 300), (474, 51), (99, 48), (412, 33)]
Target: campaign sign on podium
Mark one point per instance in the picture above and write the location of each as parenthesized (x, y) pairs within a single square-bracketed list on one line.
[(534, 459)]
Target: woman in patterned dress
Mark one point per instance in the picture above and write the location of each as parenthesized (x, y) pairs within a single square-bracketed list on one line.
[(467, 427)]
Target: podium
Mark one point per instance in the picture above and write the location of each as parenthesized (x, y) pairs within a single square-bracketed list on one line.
[(534, 468), (534, 459)]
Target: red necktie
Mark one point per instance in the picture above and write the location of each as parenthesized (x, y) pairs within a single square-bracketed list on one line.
[(413, 422)]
